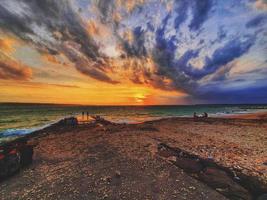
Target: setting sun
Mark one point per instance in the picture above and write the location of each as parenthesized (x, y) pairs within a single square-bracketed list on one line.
[(139, 98)]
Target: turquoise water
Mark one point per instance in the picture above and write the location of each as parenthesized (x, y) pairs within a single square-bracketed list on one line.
[(19, 119)]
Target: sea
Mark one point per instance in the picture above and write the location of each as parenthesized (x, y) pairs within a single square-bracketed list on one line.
[(18, 119)]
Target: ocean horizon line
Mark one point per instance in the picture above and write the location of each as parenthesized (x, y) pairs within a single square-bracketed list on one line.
[(128, 105)]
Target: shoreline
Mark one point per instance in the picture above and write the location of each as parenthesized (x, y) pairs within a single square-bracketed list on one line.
[(256, 115), (253, 115)]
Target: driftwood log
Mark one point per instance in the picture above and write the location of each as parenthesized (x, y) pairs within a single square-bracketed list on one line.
[(13, 156)]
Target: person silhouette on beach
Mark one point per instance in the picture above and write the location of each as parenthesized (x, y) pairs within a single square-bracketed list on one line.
[(87, 115), (82, 115)]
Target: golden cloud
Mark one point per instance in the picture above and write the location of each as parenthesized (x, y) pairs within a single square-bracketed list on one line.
[(6, 44), (129, 4), (97, 29), (128, 36)]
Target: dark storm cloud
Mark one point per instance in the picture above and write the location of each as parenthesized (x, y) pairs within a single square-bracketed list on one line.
[(164, 49), (200, 10), (106, 8), (222, 33), (97, 75), (91, 67), (247, 95), (220, 57), (186, 57), (181, 10), (232, 50), (256, 21), (136, 48), (222, 73), (47, 25), (11, 70), (164, 56), (180, 70)]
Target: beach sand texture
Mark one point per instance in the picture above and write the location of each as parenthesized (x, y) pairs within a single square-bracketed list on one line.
[(122, 161)]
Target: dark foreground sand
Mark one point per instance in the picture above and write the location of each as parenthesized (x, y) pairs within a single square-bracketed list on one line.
[(162, 159)]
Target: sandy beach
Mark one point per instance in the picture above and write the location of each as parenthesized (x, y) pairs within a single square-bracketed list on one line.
[(176, 158)]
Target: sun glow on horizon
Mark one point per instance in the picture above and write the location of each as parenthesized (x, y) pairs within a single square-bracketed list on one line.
[(85, 94), (139, 98)]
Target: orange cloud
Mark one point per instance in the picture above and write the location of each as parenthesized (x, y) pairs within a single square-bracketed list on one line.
[(128, 36), (116, 17), (141, 71), (51, 58), (59, 59), (261, 4), (6, 44), (11, 69), (97, 29), (92, 28), (130, 4)]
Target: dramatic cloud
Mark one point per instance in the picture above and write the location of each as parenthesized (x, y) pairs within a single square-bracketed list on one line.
[(256, 21), (49, 25), (221, 56), (172, 45), (245, 95), (12, 70), (200, 13)]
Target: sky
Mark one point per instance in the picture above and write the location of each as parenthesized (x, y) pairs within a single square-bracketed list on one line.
[(133, 52)]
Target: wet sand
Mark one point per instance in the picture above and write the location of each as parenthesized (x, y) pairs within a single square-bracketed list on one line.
[(258, 115), (145, 161)]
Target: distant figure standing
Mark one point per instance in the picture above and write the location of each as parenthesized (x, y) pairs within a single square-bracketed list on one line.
[(195, 115), (87, 115), (83, 115), (205, 115)]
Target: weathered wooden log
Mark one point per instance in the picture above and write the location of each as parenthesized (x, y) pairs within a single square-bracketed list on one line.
[(13, 156)]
